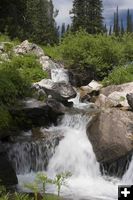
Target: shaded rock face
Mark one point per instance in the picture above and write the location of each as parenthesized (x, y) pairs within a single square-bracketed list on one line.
[(27, 47), (111, 133), (36, 116), (60, 91), (7, 173), (116, 168), (78, 78), (31, 151), (130, 99)]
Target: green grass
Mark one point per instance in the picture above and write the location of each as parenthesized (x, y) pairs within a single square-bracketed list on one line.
[(119, 75)]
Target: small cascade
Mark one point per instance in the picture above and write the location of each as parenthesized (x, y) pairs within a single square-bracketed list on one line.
[(59, 75), (75, 149), (73, 152), (28, 154), (128, 176)]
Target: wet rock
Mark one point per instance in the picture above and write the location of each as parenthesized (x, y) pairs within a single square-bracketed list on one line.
[(7, 173), (111, 134), (58, 90), (130, 99), (35, 114), (118, 167), (90, 91), (78, 78), (56, 106), (27, 47)]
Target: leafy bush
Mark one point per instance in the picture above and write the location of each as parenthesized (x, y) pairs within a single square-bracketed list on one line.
[(98, 53), (119, 75), (28, 66), (16, 77), (12, 86), (5, 118)]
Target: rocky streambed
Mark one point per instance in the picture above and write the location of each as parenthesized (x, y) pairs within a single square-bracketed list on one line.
[(97, 122)]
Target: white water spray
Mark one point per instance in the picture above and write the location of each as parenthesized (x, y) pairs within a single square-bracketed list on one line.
[(75, 154)]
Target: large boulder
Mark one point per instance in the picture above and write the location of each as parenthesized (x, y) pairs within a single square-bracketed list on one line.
[(35, 114), (61, 91), (80, 77), (116, 94), (90, 91), (111, 134), (130, 99), (7, 173), (27, 47)]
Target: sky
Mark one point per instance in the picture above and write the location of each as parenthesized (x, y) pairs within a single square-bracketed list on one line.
[(64, 6)]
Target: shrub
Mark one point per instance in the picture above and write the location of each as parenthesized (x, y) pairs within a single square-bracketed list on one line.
[(29, 67), (16, 77), (119, 75), (12, 86), (100, 53)]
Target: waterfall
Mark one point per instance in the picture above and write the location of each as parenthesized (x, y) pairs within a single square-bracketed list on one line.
[(31, 154), (74, 153), (128, 176)]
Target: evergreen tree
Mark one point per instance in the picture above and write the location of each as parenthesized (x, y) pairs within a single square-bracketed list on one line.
[(63, 29), (87, 14), (12, 16), (116, 22), (105, 29), (110, 30), (129, 22), (29, 19), (122, 27), (68, 29)]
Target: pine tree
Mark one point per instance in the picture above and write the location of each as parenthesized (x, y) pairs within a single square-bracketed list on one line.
[(129, 22), (63, 29), (87, 14), (116, 28), (105, 29), (29, 19), (122, 27), (41, 26), (68, 29), (110, 30)]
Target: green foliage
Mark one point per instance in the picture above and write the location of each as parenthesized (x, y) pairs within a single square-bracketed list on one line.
[(34, 188), (119, 75), (29, 67), (41, 178), (5, 118), (16, 77), (18, 196), (44, 180), (31, 19), (87, 15), (100, 53), (60, 180), (5, 38)]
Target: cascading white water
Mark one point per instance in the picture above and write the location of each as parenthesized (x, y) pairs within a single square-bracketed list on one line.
[(58, 75), (128, 176), (75, 154)]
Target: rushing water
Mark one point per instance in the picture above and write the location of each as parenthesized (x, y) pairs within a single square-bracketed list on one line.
[(74, 154)]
